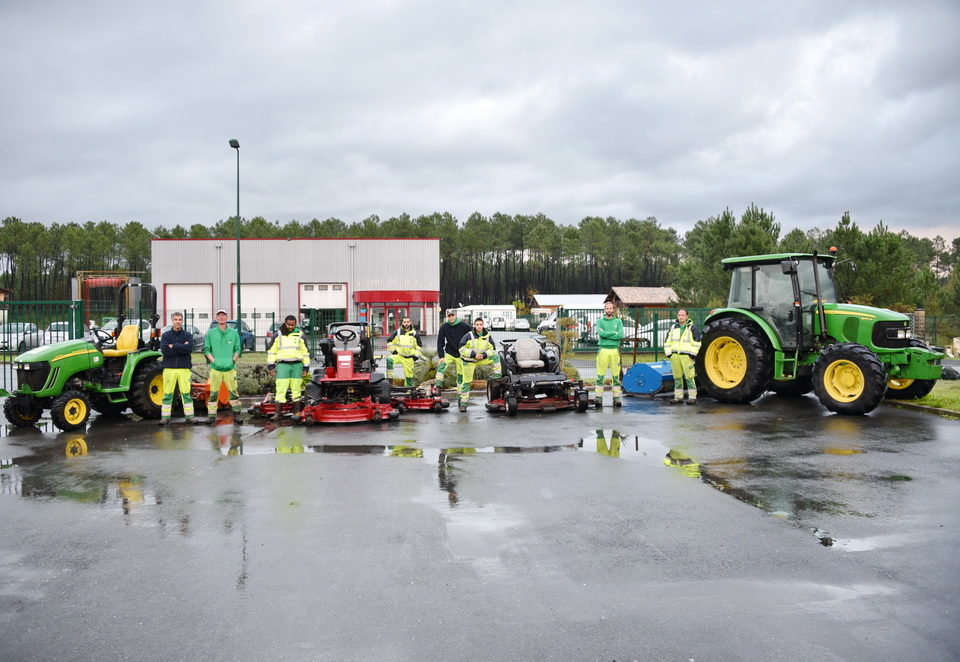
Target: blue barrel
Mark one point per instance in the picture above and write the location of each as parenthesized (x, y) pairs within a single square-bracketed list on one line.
[(648, 378)]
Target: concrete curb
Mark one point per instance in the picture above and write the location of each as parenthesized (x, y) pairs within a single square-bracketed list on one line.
[(902, 404)]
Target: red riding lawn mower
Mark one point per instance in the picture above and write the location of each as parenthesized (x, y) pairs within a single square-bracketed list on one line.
[(346, 389), (534, 380)]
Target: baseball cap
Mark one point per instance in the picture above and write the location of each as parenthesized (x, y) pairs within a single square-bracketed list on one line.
[(221, 310), (451, 311)]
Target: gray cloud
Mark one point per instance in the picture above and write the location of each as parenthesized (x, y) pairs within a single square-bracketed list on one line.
[(122, 111)]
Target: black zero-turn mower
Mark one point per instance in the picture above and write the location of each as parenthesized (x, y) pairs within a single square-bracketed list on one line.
[(533, 380), (346, 389)]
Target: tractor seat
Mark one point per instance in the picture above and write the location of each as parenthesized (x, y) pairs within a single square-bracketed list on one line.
[(127, 342), (527, 354), (354, 336)]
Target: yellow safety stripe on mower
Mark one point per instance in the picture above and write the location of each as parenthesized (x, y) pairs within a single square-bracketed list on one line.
[(79, 352)]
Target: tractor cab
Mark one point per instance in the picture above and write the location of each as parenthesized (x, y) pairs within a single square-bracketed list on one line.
[(782, 290)]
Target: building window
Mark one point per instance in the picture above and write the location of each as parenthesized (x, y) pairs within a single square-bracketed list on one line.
[(308, 288), (337, 288), (322, 288)]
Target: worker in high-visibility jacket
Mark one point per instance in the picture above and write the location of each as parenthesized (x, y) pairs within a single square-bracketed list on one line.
[(476, 349), (405, 348), (682, 345), (289, 360)]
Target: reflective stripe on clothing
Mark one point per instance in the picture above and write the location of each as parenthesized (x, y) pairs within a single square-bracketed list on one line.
[(172, 379), (289, 348), (608, 359), (684, 375), (682, 340), (229, 379)]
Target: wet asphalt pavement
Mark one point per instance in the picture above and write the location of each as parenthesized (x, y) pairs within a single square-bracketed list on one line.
[(780, 532)]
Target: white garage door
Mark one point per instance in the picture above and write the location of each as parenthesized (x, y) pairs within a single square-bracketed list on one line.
[(195, 301), (260, 304)]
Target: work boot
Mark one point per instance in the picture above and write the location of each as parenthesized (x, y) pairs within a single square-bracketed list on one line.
[(676, 401), (297, 407), (238, 417), (197, 420), (211, 419), (598, 403), (278, 412), (617, 403), (165, 421), (463, 406), (691, 402)]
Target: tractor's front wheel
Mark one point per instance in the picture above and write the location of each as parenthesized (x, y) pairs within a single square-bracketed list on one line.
[(735, 361), (146, 394), (70, 410), (909, 389), (21, 415), (849, 379)]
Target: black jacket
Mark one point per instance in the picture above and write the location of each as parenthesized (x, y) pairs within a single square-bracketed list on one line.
[(177, 356), (448, 338)]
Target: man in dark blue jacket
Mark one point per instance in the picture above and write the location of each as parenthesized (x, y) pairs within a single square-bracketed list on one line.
[(448, 346), (176, 345)]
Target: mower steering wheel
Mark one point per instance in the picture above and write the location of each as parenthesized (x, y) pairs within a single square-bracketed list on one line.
[(345, 335)]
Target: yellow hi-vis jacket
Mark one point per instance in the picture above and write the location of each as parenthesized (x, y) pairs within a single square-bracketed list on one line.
[(288, 348), (472, 344), (682, 339), (404, 343)]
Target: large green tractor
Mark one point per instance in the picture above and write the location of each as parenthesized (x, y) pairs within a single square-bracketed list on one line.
[(106, 373), (784, 330)]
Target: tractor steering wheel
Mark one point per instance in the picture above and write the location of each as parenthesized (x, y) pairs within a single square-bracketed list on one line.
[(345, 335), (103, 338)]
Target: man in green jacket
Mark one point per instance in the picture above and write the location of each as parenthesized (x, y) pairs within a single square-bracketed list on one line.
[(222, 348), (609, 333)]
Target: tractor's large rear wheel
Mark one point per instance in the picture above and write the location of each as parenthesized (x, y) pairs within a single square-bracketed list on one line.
[(735, 361), (146, 394), (849, 379), (19, 414), (909, 389), (70, 410)]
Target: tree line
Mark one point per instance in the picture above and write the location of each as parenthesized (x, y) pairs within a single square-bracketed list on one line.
[(509, 258)]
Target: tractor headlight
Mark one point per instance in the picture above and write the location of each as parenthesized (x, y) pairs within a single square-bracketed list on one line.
[(898, 334)]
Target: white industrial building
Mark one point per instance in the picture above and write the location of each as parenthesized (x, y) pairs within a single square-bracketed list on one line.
[(373, 280)]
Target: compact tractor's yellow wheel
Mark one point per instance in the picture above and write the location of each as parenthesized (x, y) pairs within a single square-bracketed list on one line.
[(146, 393), (901, 388), (70, 410)]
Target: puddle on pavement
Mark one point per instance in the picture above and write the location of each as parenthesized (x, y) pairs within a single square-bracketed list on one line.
[(55, 468)]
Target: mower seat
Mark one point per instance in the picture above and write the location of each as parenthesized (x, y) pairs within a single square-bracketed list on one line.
[(527, 354), (128, 341)]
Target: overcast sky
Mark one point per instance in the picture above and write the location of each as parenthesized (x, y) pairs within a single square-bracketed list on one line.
[(122, 111)]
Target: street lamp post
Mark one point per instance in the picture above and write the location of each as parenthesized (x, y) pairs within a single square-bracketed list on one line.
[(234, 143)]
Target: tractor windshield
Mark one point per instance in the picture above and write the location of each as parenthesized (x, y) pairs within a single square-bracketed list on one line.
[(808, 286)]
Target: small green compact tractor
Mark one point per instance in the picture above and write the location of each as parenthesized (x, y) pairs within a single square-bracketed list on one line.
[(784, 330), (107, 373)]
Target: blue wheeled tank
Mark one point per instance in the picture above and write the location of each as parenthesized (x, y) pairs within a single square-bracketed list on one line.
[(648, 378)]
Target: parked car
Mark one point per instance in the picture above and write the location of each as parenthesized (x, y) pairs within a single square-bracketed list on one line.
[(144, 325), (56, 332), (498, 324), (521, 324), (194, 331), (15, 335), (271, 334), (247, 338)]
